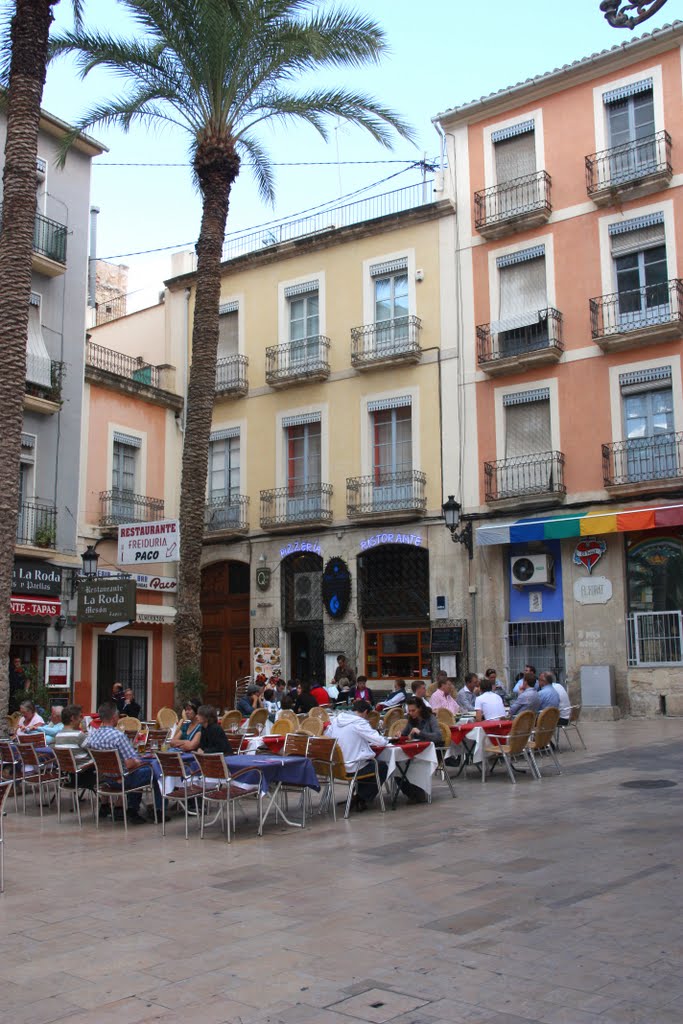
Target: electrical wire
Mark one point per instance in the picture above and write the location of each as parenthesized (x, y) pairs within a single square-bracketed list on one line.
[(285, 163)]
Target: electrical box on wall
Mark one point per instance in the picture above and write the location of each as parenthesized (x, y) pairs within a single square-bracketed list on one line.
[(531, 570), (441, 607)]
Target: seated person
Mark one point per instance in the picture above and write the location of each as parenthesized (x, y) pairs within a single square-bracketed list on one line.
[(55, 724), (321, 695), (287, 703), (131, 708), (444, 696), (565, 703), (361, 691), (30, 720), (548, 696), (356, 738), (117, 696), (469, 692), (188, 735), (213, 739), (422, 723), (304, 699), (73, 737), (419, 688), (397, 697), (497, 685), (527, 698), (488, 705), (109, 737)]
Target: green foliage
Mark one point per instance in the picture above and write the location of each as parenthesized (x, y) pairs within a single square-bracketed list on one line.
[(189, 684)]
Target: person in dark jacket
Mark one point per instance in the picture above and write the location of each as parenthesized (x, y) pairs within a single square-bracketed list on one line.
[(361, 691), (304, 699), (130, 705), (213, 739), (422, 725)]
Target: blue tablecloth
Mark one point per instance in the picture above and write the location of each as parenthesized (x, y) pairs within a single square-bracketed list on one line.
[(293, 771)]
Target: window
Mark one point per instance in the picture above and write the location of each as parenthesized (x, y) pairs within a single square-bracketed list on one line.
[(38, 363), (514, 153), (303, 467), (224, 480), (303, 311), (391, 303), (398, 654), (647, 403), (392, 453), (527, 432), (631, 130), (640, 267), (123, 477), (522, 323), (228, 330)]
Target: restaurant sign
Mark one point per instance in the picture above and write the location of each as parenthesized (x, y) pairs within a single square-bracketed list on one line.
[(35, 606), (141, 543), (104, 599), (36, 578)]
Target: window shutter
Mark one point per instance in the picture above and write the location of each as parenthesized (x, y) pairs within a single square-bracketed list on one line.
[(390, 267), (527, 429), (376, 405), (636, 234), (651, 379), (38, 363), (228, 334), (306, 288), (627, 90), (128, 439), (515, 157), (522, 295)]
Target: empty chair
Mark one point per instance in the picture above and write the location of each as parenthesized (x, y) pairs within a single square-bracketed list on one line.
[(514, 745), (68, 771), (282, 727), (542, 740), (312, 726), (396, 728), (445, 716), (111, 783), (296, 744), (573, 723), (4, 793), (321, 753), (222, 786), (258, 718), (231, 720), (39, 773), (166, 718), (185, 783)]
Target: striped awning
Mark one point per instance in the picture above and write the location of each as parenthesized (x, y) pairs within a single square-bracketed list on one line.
[(580, 524)]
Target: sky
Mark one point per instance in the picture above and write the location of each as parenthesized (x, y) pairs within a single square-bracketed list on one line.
[(442, 53)]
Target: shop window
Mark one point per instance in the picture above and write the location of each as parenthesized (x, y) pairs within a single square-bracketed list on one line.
[(397, 654), (654, 570)]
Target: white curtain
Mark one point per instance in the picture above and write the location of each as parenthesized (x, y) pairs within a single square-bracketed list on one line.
[(527, 433), (515, 157), (522, 295)]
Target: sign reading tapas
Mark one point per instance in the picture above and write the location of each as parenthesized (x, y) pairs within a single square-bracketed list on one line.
[(140, 543), (589, 552)]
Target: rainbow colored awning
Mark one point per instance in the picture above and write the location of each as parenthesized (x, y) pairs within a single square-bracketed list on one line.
[(580, 524)]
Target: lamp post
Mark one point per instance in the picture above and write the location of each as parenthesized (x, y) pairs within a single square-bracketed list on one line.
[(90, 558), (451, 513), (616, 11)]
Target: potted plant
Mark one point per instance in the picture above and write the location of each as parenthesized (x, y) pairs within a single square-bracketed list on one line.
[(45, 536)]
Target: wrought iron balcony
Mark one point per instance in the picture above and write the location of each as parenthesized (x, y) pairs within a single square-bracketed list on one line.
[(53, 393), (513, 205), (131, 367), (508, 346), (526, 476), (118, 507), (298, 361), (294, 506), (390, 341), (384, 494), (49, 245), (641, 462), (37, 525), (630, 170), (650, 314), (227, 514), (231, 376)]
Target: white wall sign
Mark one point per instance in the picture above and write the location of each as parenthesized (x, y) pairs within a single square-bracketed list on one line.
[(162, 584), (140, 543), (536, 601), (593, 590)]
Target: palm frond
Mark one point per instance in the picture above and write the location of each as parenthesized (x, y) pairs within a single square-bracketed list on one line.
[(261, 166)]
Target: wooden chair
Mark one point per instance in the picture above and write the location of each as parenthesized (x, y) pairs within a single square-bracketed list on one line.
[(282, 727), (321, 752), (574, 715), (231, 720), (39, 773), (188, 786), (391, 716), (296, 745), (4, 793), (312, 725), (442, 751), (288, 716), (374, 719), (111, 783), (69, 769), (351, 779), (225, 793), (31, 739), (166, 718), (512, 746), (156, 738), (396, 727), (542, 740), (12, 762), (257, 719), (445, 716), (320, 713)]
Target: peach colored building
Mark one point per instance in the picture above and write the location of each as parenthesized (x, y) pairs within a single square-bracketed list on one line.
[(131, 441), (569, 225)]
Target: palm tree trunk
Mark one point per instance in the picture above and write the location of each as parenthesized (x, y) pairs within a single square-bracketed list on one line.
[(29, 36), (216, 172)]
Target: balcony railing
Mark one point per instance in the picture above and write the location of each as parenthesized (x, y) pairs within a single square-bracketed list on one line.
[(53, 393), (229, 513), (525, 476), (504, 340), (231, 375), (37, 525), (298, 361), (308, 503), (383, 493), (655, 638), (628, 166), (656, 309), (49, 239), (117, 507), (640, 460), (524, 199), (389, 341), (131, 367)]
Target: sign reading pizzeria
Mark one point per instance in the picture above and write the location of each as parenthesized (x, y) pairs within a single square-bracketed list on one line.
[(144, 543)]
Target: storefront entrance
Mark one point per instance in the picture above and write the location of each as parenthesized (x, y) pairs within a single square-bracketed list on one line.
[(302, 615), (122, 659), (226, 654)]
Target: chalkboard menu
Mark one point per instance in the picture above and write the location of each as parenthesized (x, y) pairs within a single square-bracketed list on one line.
[(447, 639)]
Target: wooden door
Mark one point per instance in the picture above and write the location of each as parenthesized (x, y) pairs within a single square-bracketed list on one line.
[(225, 630)]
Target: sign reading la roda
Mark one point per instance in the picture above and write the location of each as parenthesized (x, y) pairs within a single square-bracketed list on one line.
[(104, 599), (36, 578), (142, 543)]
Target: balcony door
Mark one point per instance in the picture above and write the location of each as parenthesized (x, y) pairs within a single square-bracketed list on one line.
[(631, 129), (527, 436), (228, 347), (123, 482), (523, 298), (304, 329), (392, 458), (515, 158), (391, 311), (224, 483), (642, 287), (303, 470), (649, 429)]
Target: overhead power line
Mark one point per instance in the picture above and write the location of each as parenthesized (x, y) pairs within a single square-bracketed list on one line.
[(276, 163)]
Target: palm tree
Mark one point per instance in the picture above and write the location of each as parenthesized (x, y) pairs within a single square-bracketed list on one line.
[(219, 69), (23, 75)]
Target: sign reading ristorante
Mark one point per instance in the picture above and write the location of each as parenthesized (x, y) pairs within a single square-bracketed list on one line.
[(104, 599)]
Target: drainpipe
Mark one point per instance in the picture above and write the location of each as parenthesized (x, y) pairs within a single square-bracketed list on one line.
[(92, 261)]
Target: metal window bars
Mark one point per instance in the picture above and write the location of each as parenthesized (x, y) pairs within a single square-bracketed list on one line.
[(627, 165), (307, 359), (227, 513), (307, 503), (514, 199), (53, 393), (525, 475), (37, 524), (642, 459), (386, 492), (119, 506), (655, 638), (387, 341), (231, 375), (638, 309), (546, 333), (131, 367)]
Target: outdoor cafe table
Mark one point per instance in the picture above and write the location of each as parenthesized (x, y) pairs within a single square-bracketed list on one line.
[(468, 739), (415, 761)]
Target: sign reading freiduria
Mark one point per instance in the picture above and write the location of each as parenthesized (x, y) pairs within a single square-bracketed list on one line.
[(143, 543)]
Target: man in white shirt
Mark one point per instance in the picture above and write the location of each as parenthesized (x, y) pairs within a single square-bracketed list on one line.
[(396, 698), (356, 737), (419, 689), (565, 703), (488, 705)]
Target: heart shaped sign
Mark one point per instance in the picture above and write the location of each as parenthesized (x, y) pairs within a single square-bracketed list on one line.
[(589, 552)]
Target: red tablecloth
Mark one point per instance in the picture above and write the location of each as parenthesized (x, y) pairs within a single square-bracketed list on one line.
[(274, 743), (411, 747), (500, 727)]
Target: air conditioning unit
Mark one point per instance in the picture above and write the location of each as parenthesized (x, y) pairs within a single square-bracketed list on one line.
[(531, 570), (307, 596)]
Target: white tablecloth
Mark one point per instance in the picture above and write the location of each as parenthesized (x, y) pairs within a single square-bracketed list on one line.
[(475, 736), (421, 767)]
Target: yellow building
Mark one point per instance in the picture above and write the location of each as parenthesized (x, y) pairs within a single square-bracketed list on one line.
[(325, 456)]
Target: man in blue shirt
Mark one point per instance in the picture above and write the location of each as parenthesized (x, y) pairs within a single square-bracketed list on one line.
[(108, 737), (527, 698), (54, 726), (547, 695)]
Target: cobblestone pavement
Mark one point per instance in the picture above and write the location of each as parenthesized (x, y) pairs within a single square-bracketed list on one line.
[(557, 902)]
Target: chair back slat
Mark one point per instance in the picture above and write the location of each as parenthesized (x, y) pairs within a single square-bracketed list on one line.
[(31, 739), (65, 760), (296, 744), (8, 754), (522, 726), (546, 723), (321, 750), (213, 766), (107, 762), (171, 764), (30, 757)]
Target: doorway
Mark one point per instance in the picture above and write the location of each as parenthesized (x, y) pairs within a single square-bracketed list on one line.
[(226, 653), (122, 659)]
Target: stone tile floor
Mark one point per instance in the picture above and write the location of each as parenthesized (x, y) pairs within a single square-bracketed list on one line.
[(557, 902)]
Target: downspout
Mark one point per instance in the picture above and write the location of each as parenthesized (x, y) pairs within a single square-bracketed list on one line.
[(92, 261)]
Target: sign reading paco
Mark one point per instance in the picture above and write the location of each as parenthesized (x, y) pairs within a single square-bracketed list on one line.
[(144, 543), (104, 599)]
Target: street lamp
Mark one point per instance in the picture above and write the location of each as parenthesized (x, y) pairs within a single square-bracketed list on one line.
[(615, 11), (451, 513), (90, 558)]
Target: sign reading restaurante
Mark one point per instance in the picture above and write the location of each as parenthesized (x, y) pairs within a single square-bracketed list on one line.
[(140, 543), (104, 599)]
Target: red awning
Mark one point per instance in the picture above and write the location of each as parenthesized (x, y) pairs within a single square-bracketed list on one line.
[(35, 606)]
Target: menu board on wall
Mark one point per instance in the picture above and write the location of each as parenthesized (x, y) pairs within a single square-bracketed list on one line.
[(267, 662), (447, 639)]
